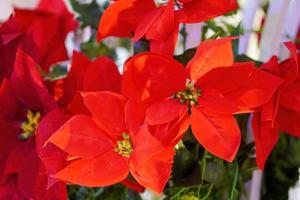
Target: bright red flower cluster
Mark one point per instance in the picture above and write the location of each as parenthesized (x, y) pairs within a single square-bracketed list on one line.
[(30, 41), (158, 20), (96, 127)]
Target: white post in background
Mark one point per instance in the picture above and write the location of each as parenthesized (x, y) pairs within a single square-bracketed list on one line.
[(249, 12), (5, 9), (270, 43), (294, 193), (6, 6), (291, 26), (273, 28), (194, 32)]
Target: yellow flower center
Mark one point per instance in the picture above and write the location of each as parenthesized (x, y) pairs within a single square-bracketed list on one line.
[(124, 147), (29, 125), (190, 95)]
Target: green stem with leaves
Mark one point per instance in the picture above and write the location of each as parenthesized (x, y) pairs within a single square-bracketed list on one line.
[(203, 168), (236, 176)]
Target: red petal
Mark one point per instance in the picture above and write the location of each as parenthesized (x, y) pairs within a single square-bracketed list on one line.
[(111, 167), (11, 38), (85, 73), (52, 157), (151, 163), (135, 115), (77, 106), (9, 31), (59, 190), (107, 169), (293, 50), (122, 18), (290, 96), (265, 137), (164, 25), (271, 66), (7, 141), (269, 110), (171, 133), (10, 190), (32, 180), (211, 54), (198, 11), (165, 111), (108, 111), (74, 80), (49, 26), (144, 26), (102, 75), (145, 146), (152, 77), (133, 185), (215, 101), (28, 84), (165, 46), (13, 107), (81, 131), (28, 175), (244, 85), (289, 121), (153, 174), (290, 67), (219, 134)]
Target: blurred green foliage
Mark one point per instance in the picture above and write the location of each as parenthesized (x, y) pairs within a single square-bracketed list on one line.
[(281, 170), (116, 192), (88, 14), (93, 49)]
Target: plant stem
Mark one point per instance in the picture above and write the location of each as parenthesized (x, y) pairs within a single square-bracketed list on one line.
[(236, 175), (208, 193), (203, 168)]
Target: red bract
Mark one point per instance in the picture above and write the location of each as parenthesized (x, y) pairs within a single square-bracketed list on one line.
[(208, 92), (158, 20), (26, 100), (11, 38), (282, 112), (84, 75), (108, 150), (49, 25)]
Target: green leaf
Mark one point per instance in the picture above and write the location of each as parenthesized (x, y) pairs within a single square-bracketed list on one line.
[(89, 14), (93, 49), (186, 56)]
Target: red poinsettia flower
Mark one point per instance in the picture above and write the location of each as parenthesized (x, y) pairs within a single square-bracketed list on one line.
[(108, 150), (282, 112), (158, 20), (208, 92), (100, 74), (26, 100), (49, 25), (11, 38), (82, 76)]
